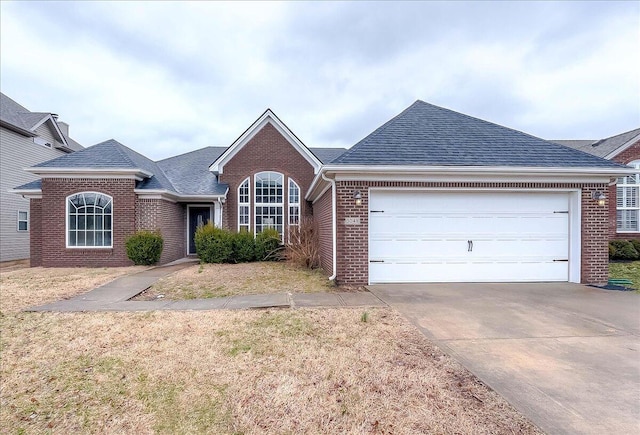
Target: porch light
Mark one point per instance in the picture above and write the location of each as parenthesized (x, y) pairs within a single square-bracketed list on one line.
[(358, 197), (598, 196)]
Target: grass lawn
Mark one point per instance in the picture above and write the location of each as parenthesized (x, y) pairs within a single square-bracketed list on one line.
[(27, 287), (220, 280), (242, 372), (630, 270)]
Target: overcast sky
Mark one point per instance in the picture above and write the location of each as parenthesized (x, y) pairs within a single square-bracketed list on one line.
[(165, 78)]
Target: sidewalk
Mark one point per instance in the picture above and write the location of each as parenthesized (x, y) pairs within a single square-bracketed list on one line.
[(115, 295)]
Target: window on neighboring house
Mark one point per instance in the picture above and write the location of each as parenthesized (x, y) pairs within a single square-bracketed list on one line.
[(89, 220), (244, 221), (269, 202), (23, 221), (294, 205), (627, 201), (40, 141)]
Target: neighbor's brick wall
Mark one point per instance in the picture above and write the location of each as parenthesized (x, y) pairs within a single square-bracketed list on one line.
[(170, 219), (352, 247), (35, 229), (324, 226), (268, 150), (52, 224), (627, 156)]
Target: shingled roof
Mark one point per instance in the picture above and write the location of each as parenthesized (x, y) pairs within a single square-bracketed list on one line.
[(428, 135), (602, 147), (17, 117)]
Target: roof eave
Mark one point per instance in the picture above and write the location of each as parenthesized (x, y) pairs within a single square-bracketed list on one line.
[(28, 193), (175, 197), (217, 167), (135, 173), (623, 147), (17, 129), (462, 173)]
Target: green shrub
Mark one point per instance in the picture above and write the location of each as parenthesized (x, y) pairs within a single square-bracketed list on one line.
[(244, 247), (622, 250), (144, 247), (213, 245), (268, 245), (636, 245)]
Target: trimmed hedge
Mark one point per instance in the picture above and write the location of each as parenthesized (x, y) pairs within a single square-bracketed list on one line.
[(216, 245), (627, 250), (144, 247)]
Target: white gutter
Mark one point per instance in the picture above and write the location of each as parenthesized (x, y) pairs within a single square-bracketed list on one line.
[(333, 225), (478, 169)]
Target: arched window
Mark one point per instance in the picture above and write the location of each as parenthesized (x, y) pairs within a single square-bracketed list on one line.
[(89, 220), (627, 202), (244, 220), (269, 201)]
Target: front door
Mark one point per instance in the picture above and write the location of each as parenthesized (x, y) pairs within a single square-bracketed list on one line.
[(197, 216)]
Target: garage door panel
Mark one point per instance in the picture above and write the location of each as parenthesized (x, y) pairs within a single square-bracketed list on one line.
[(468, 236)]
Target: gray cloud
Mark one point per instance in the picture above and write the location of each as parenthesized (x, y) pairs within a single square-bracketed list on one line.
[(168, 77)]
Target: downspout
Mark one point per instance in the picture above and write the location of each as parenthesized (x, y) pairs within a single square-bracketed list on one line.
[(333, 224)]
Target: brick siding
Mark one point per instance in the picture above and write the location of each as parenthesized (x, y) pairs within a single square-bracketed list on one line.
[(52, 223), (35, 228), (170, 219), (323, 216), (267, 150), (352, 246), (627, 156)]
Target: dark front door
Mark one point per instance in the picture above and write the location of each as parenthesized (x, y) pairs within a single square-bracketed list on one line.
[(197, 216)]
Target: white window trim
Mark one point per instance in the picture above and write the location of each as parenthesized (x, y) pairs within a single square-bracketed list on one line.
[(280, 204), (634, 164), (245, 204), (66, 233), (22, 220), (291, 204), (42, 142)]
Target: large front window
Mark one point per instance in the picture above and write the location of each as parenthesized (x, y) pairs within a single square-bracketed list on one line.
[(269, 202), (627, 201), (89, 220)]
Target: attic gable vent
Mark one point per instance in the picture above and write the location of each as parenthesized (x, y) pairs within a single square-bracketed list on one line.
[(40, 141)]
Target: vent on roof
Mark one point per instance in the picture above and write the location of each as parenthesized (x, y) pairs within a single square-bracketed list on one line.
[(598, 142)]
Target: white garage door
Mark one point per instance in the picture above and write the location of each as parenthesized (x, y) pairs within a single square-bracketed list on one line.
[(444, 236)]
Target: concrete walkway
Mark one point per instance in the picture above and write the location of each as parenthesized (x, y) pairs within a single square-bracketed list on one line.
[(115, 295)]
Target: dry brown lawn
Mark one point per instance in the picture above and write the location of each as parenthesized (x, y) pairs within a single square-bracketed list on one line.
[(220, 280), (23, 288), (236, 372)]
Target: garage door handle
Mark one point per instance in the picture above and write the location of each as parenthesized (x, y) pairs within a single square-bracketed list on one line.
[(376, 211), (376, 261), (556, 261), (469, 245)]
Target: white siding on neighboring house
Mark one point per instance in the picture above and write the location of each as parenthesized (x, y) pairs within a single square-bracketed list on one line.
[(16, 153)]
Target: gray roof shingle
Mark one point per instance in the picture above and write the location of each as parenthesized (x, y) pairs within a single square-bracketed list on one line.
[(327, 155), (428, 135), (190, 173), (186, 174), (14, 114), (602, 147)]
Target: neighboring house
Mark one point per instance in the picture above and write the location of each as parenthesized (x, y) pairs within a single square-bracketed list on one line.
[(26, 138), (432, 195), (624, 197)]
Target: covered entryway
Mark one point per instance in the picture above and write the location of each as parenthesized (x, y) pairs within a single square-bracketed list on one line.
[(473, 236)]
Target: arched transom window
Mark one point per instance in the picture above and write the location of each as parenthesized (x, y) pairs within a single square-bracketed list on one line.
[(89, 220), (627, 201)]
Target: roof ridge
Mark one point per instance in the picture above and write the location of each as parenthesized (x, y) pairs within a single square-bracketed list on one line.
[(636, 130), (121, 150), (190, 152)]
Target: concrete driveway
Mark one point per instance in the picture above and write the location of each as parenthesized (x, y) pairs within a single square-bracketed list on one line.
[(565, 355)]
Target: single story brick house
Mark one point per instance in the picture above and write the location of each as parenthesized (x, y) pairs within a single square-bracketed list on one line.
[(624, 204), (430, 196)]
